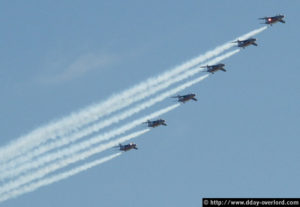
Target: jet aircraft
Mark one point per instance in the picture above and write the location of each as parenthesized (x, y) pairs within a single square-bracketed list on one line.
[(186, 97), (214, 68), (273, 20), (245, 43), (127, 147), (155, 123)]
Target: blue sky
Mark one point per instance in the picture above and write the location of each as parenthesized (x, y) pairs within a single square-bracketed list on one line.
[(239, 140)]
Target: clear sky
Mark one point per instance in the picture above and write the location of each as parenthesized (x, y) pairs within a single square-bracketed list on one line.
[(241, 139)]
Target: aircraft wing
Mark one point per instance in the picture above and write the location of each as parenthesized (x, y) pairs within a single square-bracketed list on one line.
[(282, 21), (254, 44)]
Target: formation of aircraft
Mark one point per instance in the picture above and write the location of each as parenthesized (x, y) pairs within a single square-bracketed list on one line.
[(273, 20), (245, 43), (185, 98), (269, 21), (127, 147), (209, 68), (214, 68)]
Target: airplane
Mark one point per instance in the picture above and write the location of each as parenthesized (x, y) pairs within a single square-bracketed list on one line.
[(245, 43), (155, 123), (214, 68), (185, 98), (127, 147), (273, 20)]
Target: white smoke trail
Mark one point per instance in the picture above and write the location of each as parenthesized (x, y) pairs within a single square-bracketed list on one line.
[(94, 112), (65, 162), (13, 186), (55, 178), (252, 33), (79, 147), (48, 169), (15, 169)]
